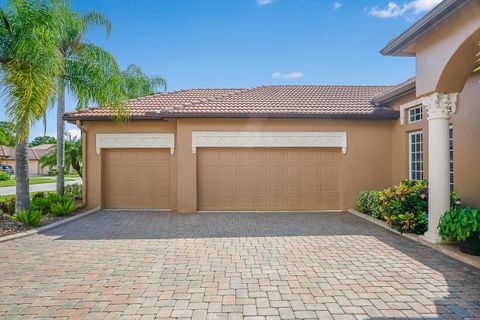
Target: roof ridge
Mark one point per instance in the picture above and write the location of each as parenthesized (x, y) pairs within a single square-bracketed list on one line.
[(207, 99)]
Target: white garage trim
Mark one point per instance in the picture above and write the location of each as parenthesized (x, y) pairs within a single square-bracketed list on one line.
[(135, 140), (229, 139)]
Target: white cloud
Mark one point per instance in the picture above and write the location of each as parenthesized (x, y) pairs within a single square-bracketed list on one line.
[(264, 2), (337, 5), (291, 75), (395, 10)]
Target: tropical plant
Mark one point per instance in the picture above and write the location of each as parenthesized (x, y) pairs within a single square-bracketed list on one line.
[(73, 155), (91, 74), (73, 191), (43, 140), (4, 176), (8, 205), (7, 134), (460, 223), (63, 208), (137, 84), (28, 217), (369, 203), (404, 207), (29, 64)]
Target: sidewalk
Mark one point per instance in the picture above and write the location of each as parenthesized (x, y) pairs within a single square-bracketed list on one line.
[(5, 191)]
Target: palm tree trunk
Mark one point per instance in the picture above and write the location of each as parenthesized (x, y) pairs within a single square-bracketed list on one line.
[(21, 175), (60, 141)]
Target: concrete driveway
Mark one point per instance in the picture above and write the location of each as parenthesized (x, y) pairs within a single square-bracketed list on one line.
[(130, 265)]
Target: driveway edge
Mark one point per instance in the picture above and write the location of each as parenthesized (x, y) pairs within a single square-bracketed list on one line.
[(48, 226), (447, 249)]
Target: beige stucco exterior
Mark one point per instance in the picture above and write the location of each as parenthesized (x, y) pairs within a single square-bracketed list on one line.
[(365, 165), (377, 155), (466, 145)]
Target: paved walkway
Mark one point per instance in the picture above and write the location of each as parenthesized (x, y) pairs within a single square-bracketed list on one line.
[(130, 265), (5, 191)]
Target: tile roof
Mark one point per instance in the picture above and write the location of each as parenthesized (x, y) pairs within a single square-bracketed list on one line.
[(394, 92), (264, 101), (34, 153)]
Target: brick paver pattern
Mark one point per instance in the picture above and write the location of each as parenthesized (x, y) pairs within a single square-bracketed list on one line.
[(146, 265)]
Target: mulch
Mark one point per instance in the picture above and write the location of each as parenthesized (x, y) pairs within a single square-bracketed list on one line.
[(9, 226)]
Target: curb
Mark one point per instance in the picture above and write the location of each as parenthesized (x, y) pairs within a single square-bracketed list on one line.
[(48, 226), (443, 248)]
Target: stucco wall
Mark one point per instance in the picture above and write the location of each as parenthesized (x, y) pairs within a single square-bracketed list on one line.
[(366, 165), (466, 145), (446, 55)]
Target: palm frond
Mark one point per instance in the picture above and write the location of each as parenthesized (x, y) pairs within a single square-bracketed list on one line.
[(95, 19), (93, 76), (137, 84)]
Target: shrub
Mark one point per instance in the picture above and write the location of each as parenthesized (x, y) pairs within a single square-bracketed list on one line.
[(73, 191), (29, 218), (41, 204), (4, 176), (369, 203), (404, 207), (63, 208), (460, 224), (8, 205), (39, 195)]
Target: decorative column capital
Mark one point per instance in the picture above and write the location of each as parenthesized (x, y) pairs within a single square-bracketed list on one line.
[(440, 105)]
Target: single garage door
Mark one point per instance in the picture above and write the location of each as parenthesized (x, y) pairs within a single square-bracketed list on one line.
[(268, 178), (136, 178)]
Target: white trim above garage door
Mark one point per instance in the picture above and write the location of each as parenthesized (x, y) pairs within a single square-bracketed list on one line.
[(135, 140), (230, 139)]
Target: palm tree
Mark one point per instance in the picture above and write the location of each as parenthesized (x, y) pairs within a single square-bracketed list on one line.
[(91, 74), (73, 155), (137, 84), (29, 65)]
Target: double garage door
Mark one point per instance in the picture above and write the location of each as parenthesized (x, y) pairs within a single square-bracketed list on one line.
[(227, 178)]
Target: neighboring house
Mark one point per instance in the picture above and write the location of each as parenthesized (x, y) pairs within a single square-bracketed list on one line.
[(7, 156), (301, 147)]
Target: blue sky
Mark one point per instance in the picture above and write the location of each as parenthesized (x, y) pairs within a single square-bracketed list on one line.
[(245, 43)]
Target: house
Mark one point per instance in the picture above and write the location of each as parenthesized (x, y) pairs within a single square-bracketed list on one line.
[(7, 156), (301, 147)]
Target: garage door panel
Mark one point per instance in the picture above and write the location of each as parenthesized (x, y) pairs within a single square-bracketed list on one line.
[(136, 178), (268, 179)]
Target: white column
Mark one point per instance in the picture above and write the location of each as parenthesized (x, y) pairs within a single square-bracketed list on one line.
[(439, 106)]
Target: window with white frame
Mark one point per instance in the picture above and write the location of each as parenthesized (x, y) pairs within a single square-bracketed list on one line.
[(415, 114), (450, 151), (416, 155)]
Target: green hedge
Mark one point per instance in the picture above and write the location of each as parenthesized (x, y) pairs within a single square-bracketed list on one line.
[(369, 203), (403, 207)]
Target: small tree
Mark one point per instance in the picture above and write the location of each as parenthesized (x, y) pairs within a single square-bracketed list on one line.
[(43, 140), (73, 155)]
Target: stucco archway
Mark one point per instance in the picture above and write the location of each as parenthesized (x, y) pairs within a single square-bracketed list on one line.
[(460, 65)]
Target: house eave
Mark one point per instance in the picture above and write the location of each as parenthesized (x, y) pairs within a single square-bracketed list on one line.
[(437, 15)]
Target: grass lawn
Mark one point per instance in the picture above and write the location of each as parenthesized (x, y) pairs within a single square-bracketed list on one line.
[(3, 198), (35, 180)]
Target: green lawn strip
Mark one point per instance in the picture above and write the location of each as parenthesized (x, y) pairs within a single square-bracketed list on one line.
[(3, 198), (40, 180)]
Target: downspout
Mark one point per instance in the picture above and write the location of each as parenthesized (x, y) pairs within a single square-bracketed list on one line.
[(82, 128)]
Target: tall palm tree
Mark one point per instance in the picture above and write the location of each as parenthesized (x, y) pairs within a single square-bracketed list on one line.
[(29, 65), (137, 84), (91, 74)]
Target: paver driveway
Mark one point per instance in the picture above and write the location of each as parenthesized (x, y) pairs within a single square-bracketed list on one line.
[(118, 264)]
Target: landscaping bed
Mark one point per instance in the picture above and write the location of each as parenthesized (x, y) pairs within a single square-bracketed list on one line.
[(404, 208), (10, 226), (45, 208)]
